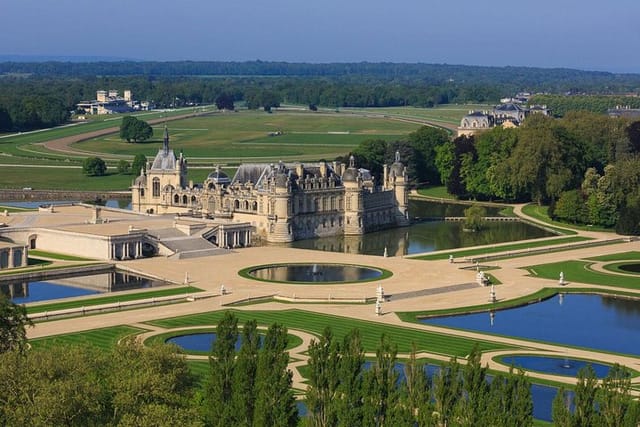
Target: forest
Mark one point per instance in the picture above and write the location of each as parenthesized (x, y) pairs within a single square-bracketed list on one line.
[(40, 95)]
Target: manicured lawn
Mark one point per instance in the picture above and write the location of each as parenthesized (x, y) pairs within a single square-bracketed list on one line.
[(439, 192), (53, 255), (75, 179), (246, 134), (502, 248), (578, 271), (622, 256), (370, 332), (113, 298), (104, 338), (11, 209), (541, 213)]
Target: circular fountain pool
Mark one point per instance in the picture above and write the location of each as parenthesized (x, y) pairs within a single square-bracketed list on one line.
[(630, 268), (554, 365), (315, 273)]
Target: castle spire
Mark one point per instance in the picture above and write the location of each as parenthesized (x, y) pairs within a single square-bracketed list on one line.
[(165, 144)]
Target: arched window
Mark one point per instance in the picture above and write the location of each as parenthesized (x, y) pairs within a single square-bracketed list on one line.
[(176, 199), (246, 205), (142, 192), (156, 187), (255, 206), (184, 199), (236, 204), (193, 200)]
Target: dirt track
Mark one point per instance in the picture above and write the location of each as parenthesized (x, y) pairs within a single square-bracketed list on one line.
[(63, 145)]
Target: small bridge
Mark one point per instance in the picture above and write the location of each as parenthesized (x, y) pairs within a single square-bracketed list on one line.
[(461, 218)]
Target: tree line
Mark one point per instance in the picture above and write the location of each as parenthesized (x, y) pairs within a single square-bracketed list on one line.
[(585, 166)]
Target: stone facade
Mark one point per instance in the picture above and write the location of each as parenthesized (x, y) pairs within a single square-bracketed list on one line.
[(12, 255), (284, 202)]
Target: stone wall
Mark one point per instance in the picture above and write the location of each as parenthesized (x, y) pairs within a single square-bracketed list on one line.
[(14, 195)]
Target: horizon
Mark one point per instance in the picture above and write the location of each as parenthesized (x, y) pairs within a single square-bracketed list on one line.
[(570, 34)]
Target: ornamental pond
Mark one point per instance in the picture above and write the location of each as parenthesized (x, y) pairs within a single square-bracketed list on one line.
[(22, 292), (598, 322)]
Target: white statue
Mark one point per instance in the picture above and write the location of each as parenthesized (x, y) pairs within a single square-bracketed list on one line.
[(378, 308), (492, 294), (561, 281), (223, 290)]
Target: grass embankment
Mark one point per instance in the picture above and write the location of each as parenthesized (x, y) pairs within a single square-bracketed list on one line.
[(437, 192), (112, 298), (53, 255), (103, 338), (315, 323), (579, 271), (12, 209), (512, 247), (622, 256), (541, 214)]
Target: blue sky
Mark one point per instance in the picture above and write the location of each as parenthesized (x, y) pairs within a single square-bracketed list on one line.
[(583, 34)]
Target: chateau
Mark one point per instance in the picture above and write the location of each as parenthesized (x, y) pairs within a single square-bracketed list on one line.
[(282, 202), (509, 114)]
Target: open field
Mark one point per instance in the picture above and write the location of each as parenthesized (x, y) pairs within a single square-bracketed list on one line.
[(580, 271), (447, 115), (245, 135)]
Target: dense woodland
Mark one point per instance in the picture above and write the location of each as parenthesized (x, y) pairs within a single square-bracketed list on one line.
[(586, 166), (41, 94), (136, 385)]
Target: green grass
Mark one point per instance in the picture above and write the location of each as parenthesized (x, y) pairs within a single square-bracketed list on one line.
[(104, 338), (439, 192), (615, 268), (622, 256), (246, 134), (12, 209), (293, 341), (502, 248), (541, 213), (53, 255), (75, 179), (315, 323), (112, 298), (579, 271)]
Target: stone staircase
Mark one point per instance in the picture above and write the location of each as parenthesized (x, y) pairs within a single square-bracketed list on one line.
[(183, 246)]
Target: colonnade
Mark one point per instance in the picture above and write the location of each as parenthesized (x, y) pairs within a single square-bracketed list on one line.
[(13, 257), (235, 238), (126, 250)]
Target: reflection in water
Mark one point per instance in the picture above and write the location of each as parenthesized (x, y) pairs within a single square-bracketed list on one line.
[(315, 273), (423, 237), (71, 286)]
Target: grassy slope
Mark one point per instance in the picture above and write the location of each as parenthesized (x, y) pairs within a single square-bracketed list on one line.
[(315, 323)]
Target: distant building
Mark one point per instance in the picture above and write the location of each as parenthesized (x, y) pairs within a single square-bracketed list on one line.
[(110, 102), (283, 202), (510, 114), (624, 111)]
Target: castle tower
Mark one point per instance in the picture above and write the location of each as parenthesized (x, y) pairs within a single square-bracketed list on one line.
[(165, 174), (353, 200), (280, 227), (398, 181)]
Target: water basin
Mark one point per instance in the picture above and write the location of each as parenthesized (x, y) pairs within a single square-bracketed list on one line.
[(315, 273), (554, 365)]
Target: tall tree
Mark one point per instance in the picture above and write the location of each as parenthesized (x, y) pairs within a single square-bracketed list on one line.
[(350, 390), (218, 390), (133, 129), (13, 325), (139, 164), (324, 356), (275, 403), (94, 166), (244, 376), (425, 141)]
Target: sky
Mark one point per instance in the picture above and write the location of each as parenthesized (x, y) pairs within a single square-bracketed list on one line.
[(582, 34)]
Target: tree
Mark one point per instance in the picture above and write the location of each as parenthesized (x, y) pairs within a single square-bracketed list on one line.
[(124, 167), (132, 129), (350, 389), (218, 390), (425, 141), (139, 164), (321, 395), (244, 376), (94, 166), (13, 324), (275, 403), (370, 154), (224, 101), (474, 217)]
